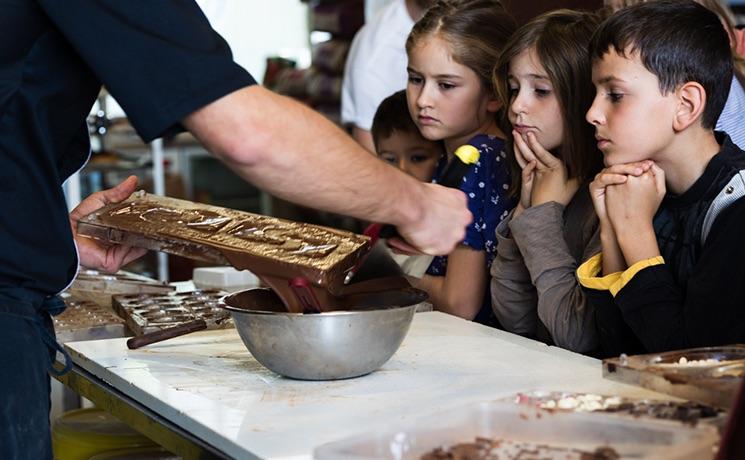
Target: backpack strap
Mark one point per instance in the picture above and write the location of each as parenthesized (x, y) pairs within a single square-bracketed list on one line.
[(734, 190)]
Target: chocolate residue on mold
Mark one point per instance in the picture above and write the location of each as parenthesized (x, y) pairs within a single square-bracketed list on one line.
[(685, 412), (505, 449), (275, 250), (145, 313)]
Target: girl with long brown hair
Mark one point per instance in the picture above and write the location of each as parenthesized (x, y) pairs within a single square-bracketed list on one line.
[(451, 52), (544, 77)]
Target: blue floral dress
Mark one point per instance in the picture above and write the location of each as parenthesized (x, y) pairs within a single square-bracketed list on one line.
[(486, 185)]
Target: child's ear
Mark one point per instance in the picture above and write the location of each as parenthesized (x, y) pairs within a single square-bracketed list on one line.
[(691, 103)]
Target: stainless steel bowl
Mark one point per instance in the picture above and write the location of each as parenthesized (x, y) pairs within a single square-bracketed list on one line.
[(322, 346)]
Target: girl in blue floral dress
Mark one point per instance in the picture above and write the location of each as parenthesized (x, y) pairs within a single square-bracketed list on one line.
[(451, 52)]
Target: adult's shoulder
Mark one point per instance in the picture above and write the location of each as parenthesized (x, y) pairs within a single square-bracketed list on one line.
[(391, 24)]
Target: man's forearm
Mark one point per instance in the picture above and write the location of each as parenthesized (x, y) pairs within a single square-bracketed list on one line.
[(364, 138), (292, 152)]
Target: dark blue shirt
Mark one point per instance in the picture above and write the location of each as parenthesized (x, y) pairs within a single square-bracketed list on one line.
[(486, 185), (160, 60)]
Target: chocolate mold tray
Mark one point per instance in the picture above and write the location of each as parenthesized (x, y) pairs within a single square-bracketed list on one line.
[(708, 375), (264, 245), (683, 411), (98, 287), (513, 431), (86, 320), (146, 313)]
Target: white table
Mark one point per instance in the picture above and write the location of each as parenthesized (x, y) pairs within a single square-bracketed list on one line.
[(208, 385)]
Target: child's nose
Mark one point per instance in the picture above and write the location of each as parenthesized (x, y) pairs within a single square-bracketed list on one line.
[(594, 114), (424, 99), (519, 104)]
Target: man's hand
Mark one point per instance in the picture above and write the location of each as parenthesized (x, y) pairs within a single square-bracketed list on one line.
[(94, 254), (443, 224), (550, 182)]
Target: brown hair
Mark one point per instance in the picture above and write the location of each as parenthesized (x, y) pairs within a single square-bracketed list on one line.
[(392, 116), (725, 15), (560, 40), (475, 29), (678, 41)]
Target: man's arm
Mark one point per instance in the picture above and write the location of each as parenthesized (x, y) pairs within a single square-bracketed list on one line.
[(294, 153), (364, 138)]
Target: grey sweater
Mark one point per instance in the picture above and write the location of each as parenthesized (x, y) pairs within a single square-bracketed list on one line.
[(534, 286)]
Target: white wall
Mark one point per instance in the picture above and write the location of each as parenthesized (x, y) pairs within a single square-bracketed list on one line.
[(256, 29)]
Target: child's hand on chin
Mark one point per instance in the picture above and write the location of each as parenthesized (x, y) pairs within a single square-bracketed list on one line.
[(613, 175), (633, 203), (550, 182)]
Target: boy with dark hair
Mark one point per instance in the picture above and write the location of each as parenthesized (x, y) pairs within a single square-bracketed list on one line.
[(398, 141), (669, 200)]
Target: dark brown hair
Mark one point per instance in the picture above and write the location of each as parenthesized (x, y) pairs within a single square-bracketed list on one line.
[(560, 40), (475, 29), (392, 116), (678, 41), (725, 16)]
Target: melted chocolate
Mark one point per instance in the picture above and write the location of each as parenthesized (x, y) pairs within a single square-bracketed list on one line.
[(267, 300)]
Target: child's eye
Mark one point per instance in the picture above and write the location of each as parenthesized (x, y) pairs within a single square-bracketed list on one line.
[(446, 86), (389, 158), (615, 97), (513, 90), (415, 80), (542, 92), (419, 158)]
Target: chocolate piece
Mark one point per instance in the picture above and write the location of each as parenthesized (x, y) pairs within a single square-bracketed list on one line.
[(274, 249)]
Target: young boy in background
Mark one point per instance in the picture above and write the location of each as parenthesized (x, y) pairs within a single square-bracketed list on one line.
[(669, 200), (397, 139)]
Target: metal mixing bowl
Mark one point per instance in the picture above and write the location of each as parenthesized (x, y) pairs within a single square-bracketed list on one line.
[(323, 346)]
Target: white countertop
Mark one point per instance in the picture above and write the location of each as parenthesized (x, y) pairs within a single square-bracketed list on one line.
[(210, 385)]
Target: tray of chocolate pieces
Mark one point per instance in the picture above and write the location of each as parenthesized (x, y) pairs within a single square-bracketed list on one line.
[(86, 320), (504, 430), (145, 313), (270, 247), (688, 412), (709, 375), (98, 287)]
